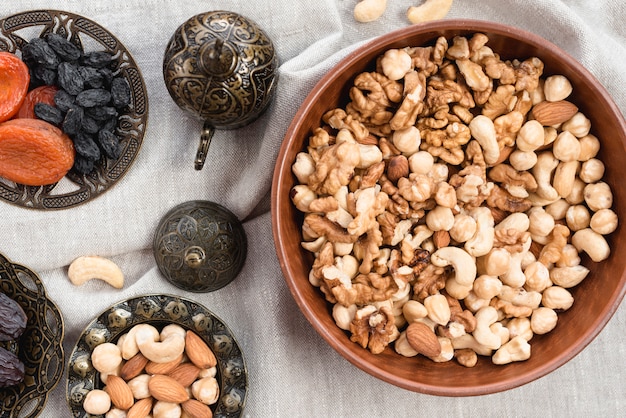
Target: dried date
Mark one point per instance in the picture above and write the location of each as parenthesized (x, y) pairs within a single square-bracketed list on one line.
[(11, 369), (12, 319)]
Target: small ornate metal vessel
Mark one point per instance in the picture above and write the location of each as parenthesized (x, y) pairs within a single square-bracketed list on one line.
[(220, 67), (200, 246)]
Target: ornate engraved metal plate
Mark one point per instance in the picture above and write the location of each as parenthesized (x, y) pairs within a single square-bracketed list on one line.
[(74, 188), (200, 246), (40, 347), (220, 67), (160, 310)]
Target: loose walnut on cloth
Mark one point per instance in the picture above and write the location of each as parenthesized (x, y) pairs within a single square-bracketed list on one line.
[(417, 191)]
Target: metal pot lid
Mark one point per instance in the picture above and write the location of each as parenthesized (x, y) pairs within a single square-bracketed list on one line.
[(200, 246)]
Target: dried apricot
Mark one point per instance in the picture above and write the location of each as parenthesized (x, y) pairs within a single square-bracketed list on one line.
[(34, 152), (41, 94), (14, 82)]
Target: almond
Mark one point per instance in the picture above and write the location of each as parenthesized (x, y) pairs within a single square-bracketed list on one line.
[(398, 167), (422, 339), (163, 368), (441, 239), (119, 392), (185, 373), (141, 409), (198, 351), (133, 367), (196, 409), (554, 113), (166, 389)]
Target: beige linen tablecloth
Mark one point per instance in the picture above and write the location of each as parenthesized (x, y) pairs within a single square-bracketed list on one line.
[(292, 371)]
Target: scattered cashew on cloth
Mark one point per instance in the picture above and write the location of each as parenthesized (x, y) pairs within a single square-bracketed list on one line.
[(370, 10)]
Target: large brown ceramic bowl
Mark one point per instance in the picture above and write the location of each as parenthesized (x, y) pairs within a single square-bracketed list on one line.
[(596, 299)]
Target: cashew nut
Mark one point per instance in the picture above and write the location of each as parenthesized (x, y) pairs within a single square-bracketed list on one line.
[(592, 243), (520, 327), (87, 268), (565, 177), (430, 10), (515, 277), (464, 265), (546, 164), (163, 351), (470, 342), (483, 334), (484, 131), (482, 241), (517, 349), (369, 10)]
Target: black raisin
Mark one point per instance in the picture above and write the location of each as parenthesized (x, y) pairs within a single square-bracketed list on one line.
[(12, 319), (70, 78), (63, 100), (66, 50), (90, 125), (38, 53), (73, 122), (110, 144), (92, 77), (107, 76), (44, 75), (96, 59), (93, 98), (101, 113), (48, 113), (86, 146), (109, 124), (83, 165), (11, 368), (120, 92)]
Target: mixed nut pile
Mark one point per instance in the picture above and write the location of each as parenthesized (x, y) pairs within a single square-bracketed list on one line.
[(12, 325), (148, 371), (448, 204)]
